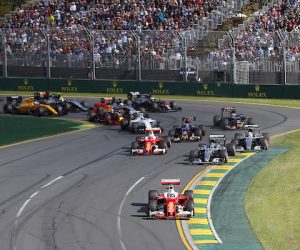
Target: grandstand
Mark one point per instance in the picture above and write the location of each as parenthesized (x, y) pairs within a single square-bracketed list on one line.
[(151, 40)]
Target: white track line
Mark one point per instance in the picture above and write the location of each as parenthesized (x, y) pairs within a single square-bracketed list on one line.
[(51, 182), (120, 211)]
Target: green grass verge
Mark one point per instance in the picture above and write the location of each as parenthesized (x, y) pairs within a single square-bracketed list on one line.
[(15, 129), (273, 199), (280, 102)]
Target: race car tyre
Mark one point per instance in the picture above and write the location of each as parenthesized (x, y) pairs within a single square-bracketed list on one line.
[(134, 145), (224, 123), (152, 206), (224, 156), (168, 141), (40, 111), (190, 206), (266, 136), (189, 193), (134, 127), (107, 119), (217, 120), (7, 108), (146, 115), (60, 110), (163, 145), (238, 135), (152, 194), (235, 141), (250, 121), (265, 144), (198, 132), (231, 149), (203, 129), (193, 155), (154, 107), (67, 106), (124, 124), (173, 105), (171, 133), (142, 109), (91, 116)]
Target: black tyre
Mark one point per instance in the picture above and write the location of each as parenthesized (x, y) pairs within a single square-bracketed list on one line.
[(189, 193), (203, 129), (198, 132), (224, 123), (190, 206), (152, 194), (217, 120), (146, 115), (134, 145), (60, 110), (107, 118), (168, 141), (152, 206), (40, 111), (163, 145), (235, 141), (91, 116), (266, 136), (134, 127), (67, 106), (142, 109), (265, 144), (154, 106), (193, 155), (250, 121), (224, 155), (124, 124), (5, 109), (171, 133), (173, 105), (231, 149)]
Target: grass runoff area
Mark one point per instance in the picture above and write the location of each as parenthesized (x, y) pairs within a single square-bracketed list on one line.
[(17, 128), (273, 199)]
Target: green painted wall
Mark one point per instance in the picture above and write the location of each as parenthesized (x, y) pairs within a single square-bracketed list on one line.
[(159, 88)]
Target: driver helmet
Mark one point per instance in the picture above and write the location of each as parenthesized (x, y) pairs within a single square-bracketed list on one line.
[(250, 132), (233, 113), (171, 189), (151, 134), (121, 104)]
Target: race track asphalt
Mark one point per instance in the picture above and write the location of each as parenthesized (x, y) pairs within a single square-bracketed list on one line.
[(84, 191)]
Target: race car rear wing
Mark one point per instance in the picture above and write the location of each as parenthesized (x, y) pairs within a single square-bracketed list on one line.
[(170, 182), (228, 109), (251, 126), (191, 118), (217, 137)]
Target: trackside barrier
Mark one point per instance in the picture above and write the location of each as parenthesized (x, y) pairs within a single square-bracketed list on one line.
[(154, 87)]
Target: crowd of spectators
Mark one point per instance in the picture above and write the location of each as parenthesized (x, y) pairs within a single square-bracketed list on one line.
[(156, 22)]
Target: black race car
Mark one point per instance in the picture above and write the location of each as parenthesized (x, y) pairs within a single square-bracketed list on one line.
[(187, 131), (146, 102), (229, 119)]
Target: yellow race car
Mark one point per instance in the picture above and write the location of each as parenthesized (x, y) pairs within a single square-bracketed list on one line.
[(16, 105)]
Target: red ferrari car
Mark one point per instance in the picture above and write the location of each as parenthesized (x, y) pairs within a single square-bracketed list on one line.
[(170, 204), (151, 144)]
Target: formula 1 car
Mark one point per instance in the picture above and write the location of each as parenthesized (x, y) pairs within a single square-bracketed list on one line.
[(187, 131), (146, 102), (69, 105), (150, 144), (230, 120), (170, 204), (216, 152), (16, 105), (253, 140), (141, 124)]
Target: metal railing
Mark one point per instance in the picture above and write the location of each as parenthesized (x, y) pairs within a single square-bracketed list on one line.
[(250, 58)]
